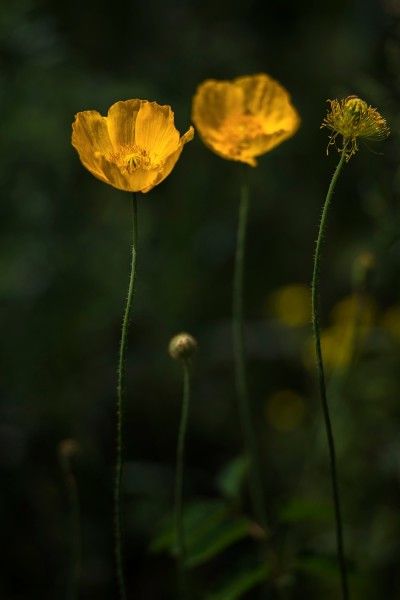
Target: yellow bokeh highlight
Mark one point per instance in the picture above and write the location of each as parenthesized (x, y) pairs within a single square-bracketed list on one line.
[(291, 305), (351, 320), (285, 410), (351, 308), (390, 321)]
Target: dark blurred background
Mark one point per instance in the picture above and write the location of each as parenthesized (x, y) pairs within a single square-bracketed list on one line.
[(64, 262)]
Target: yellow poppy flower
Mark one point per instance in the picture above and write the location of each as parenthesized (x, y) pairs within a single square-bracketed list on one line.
[(244, 118), (133, 148)]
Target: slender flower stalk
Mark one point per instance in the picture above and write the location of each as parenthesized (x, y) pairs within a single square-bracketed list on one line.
[(67, 450), (350, 119), (321, 376), (180, 457), (245, 413), (240, 120), (120, 393), (134, 148), (182, 347)]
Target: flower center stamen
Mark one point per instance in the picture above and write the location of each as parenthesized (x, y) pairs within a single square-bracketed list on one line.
[(239, 132), (130, 157)]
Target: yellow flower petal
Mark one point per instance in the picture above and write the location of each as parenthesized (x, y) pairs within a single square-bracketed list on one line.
[(187, 137), (134, 148), (139, 181), (91, 139), (244, 118), (265, 97), (213, 102), (121, 120), (155, 130), (172, 159)]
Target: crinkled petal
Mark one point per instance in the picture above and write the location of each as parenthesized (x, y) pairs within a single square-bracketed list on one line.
[(90, 138), (257, 99), (187, 136), (259, 145), (121, 121), (136, 181), (270, 102), (258, 91), (220, 148), (172, 159), (155, 130), (265, 143), (213, 102)]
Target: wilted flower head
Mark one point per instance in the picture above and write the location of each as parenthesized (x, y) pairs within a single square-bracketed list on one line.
[(352, 118), (244, 118), (133, 148)]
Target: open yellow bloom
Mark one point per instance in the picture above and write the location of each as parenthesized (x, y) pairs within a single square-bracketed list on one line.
[(244, 118), (133, 148), (352, 118)]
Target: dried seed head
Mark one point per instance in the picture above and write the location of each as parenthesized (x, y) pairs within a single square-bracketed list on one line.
[(182, 346), (352, 118)]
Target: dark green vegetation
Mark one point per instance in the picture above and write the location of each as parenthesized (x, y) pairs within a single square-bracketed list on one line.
[(64, 261)]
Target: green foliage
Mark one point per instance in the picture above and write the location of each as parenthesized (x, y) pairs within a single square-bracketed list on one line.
[(240, 581), (298, 511), (210, 528), (231, 478), (319, 566)]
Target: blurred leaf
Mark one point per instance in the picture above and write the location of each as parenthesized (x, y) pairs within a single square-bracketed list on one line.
[(194, 515), (215, 539), (320, 566), (210, 528), (304, 510), (240, 582), (231, 477)]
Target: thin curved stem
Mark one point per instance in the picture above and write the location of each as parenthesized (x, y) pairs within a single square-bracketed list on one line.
[(321, 376), (180, 460), (120, 391), (255, 478), (75, 529)]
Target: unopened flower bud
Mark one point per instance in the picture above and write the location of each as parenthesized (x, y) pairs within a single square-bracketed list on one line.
[(182, 346)]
